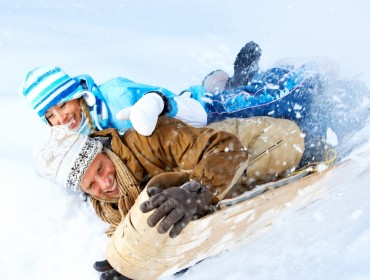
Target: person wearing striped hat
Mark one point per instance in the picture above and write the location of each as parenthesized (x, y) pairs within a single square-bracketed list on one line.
[(119, 103)]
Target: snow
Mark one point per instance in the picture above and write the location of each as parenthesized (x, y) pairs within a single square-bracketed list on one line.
[(48, 233)]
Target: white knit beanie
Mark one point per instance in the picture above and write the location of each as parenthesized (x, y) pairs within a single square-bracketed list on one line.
[(45, 87), (66, 155)]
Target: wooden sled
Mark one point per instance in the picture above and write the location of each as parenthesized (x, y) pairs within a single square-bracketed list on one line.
[(140, 252)]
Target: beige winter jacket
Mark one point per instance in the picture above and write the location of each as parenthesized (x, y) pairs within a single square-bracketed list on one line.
[(210, 155), (275, 146)]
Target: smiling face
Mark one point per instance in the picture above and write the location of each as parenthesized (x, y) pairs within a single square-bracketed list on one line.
[(65, 113), (99, 179)]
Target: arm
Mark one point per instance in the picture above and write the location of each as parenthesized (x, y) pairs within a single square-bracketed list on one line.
[(212, 158)]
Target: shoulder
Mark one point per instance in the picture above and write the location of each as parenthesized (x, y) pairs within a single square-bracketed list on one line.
[(166, 121)]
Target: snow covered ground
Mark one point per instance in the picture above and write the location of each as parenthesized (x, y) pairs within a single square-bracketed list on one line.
[(47, 233)]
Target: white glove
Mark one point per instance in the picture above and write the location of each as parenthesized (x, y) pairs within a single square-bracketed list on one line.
[(144, 113)]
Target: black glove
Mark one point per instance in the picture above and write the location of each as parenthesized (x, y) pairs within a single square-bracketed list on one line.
[(178, 206), (109, 272), (102, 266)]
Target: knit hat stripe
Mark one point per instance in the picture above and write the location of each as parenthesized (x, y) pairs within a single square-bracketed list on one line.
[(59, 95), (44, 88), (38, 75)]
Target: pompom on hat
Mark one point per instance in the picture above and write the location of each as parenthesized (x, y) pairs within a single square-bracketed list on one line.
[(65, 156), (45, 87)]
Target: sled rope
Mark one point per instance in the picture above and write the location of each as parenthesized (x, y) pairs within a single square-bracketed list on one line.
[(330, 157), (331, 161), (129, 190)]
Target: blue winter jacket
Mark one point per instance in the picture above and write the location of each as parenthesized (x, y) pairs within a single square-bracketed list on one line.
[(117, 94)]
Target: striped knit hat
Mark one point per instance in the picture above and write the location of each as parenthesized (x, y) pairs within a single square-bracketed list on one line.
[(65, 156), (45, 87)]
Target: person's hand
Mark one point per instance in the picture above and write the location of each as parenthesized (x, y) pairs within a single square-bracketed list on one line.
[(144, 113), (177, 206), (108, 272)]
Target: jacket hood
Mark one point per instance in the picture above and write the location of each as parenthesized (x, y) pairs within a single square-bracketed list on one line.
[(124, 153)]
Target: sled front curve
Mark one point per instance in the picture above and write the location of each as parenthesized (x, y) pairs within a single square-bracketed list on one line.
[(140, 252)]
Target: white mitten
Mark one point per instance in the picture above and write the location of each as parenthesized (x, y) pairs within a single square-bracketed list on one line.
[(144, 113)]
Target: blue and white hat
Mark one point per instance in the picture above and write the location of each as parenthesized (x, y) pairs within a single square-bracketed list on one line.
[(45, 87)]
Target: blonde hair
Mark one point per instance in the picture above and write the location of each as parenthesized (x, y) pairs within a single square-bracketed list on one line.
[(86, 112), (113, 211)]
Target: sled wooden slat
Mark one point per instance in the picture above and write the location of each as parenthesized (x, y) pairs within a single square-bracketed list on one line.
[(140, 252)]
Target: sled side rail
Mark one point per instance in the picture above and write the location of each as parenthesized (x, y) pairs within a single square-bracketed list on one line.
[(259, 189), (140, 252)]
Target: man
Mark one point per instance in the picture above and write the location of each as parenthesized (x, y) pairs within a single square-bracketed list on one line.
[(198, 165), (106, 162)]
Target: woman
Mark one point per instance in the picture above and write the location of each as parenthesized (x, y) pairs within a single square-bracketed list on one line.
[(320, 106), (120, 103)]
